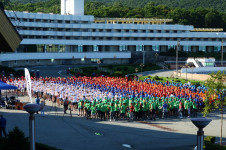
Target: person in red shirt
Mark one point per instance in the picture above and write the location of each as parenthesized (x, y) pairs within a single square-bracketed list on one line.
[(180, 109), (131, 110)]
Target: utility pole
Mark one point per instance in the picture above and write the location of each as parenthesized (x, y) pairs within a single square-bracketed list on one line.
[(178, 44), (143, 57), (222, 52)]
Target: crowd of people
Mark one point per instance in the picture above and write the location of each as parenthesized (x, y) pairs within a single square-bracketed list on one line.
[(116, 98)]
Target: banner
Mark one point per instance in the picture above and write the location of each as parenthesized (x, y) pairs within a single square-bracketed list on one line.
[(28, 81)]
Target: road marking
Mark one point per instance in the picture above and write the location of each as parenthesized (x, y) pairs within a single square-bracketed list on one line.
[(127, 145), (99, 134)]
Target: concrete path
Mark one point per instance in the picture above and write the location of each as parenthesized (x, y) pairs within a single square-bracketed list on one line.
[(75, 133), (160, 73)]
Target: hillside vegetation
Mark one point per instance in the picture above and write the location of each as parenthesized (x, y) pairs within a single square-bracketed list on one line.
[(219, 5), (199, 17)]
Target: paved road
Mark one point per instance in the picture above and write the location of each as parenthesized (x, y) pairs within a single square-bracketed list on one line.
[(160, 73), (75, 133), (60, 71)]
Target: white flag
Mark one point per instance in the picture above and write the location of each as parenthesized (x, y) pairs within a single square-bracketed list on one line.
[(28, 81)]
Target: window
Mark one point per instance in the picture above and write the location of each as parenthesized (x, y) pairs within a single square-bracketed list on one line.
[(217, 48), (139, 47), (95, 48), (202, 48), (95, 60), (123, 48), (80, 48), (187, 48), (155, 48), (171, 46)]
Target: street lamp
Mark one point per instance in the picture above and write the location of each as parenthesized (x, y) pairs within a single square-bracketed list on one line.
[(143, 57), (136, 70), (200, 123), (222, 51), (142, 65), (178, 44), (98, 62), (73, 62), (156, 56), (186, 66)]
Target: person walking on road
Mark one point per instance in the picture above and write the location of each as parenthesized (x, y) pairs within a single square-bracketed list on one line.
[(2, 126), (42, 105)]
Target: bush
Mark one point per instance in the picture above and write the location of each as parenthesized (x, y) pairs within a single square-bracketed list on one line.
[(118, 73), (209, 144), (17, 141), (210, 139), (156, 77)]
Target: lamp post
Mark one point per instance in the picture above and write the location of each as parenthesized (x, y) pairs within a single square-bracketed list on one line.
[(142, 65), (32, 108), (178, 44), (143, 57), (156, 56), (222, 51), (200, 123), (98, 62)]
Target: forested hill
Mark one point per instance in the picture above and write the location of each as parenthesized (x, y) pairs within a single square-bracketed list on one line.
[(219, 5), (199, 17)]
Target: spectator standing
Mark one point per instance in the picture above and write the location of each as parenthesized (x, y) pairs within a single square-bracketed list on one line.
[(37, 100), (131, 112), (42, 105), (2, 126)]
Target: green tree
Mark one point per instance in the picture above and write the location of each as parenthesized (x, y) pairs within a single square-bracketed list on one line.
[(215, 96)]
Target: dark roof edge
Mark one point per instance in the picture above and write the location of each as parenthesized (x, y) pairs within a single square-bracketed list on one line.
[(2, 8)]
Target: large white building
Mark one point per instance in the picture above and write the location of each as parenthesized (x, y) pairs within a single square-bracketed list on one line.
[(72, 37)]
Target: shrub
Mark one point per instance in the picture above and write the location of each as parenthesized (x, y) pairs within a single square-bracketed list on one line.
[(210, 139), (17, 141), (118, 73), (156, 77)]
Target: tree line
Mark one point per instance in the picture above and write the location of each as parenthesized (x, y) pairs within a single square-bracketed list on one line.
[(199, 17), (219, 5)]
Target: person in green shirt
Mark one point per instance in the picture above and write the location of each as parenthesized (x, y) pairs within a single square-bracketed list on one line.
[(189, 108), (171, 108), (112, 111), (176, 108), (145, 108), (81, 108), (103, 110), (185, 107), (117, 108), (153, 106), (88, 110), (136, 110), (93, 111), (122, 111), (194, 109)]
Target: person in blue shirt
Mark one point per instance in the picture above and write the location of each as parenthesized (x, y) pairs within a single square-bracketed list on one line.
[(37, 100), (2, 126)]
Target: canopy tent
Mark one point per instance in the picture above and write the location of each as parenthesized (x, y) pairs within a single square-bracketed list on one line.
[(4, 86)]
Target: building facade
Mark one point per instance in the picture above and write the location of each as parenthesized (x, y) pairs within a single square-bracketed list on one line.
[(72, 37)]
